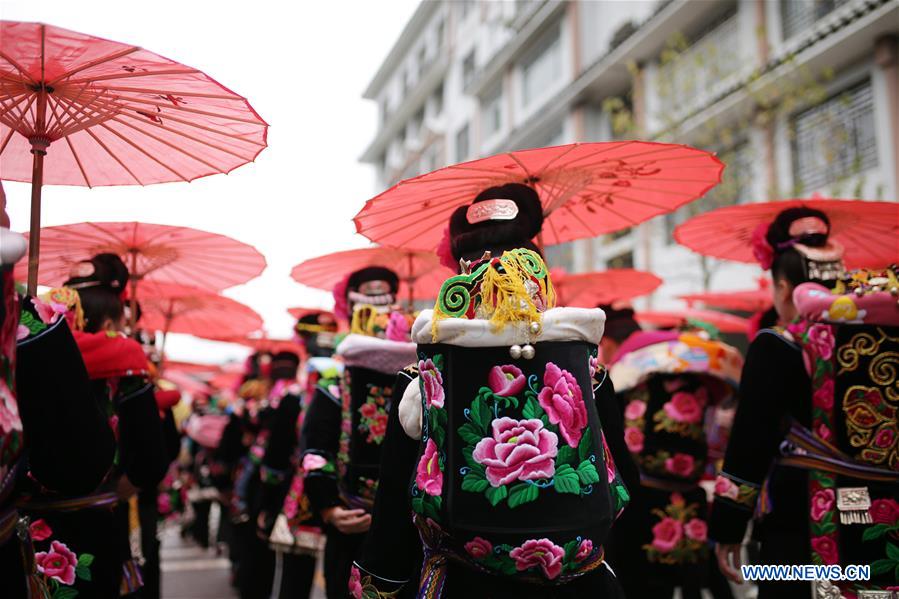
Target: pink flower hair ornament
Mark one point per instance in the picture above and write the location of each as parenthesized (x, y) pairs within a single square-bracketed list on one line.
[(761, 249)]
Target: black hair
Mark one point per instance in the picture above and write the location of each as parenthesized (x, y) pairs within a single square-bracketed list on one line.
[(471, 240), (620, 323), (373, 273), (313, 339), (100, 282), (284, 365), (788, 263)]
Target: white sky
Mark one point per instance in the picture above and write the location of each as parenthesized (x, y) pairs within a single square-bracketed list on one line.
[(303, 66)]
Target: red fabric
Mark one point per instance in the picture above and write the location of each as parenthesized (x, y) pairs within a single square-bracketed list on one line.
[(867, 230), (588, 290), (165, 400), (587, 189), (181, 123), (108, 357)]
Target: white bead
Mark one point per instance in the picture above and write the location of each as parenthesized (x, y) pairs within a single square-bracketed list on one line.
[(527, 352), (535, 327), (515, 352)]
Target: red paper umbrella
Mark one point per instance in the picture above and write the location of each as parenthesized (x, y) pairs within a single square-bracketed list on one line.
[(588, 290), (420, 273), (192, 368), (266, 344), (186, 382), (748, 300), (869, 231), (726, 323), (160, 253), (81, 110), (181, 309), (299, 312), (586, 188)]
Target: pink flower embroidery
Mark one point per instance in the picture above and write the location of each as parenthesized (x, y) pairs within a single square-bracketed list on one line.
[(9, 410), (827, 549), (761, 249), (431, 383), (594, 366), (519, 450), (822, 502), (633, 437), (478, 548), (40, 530), (163, 505), (667, 534), (885, 437), (884, 511), (429, 477), (635, 410), (397, 327), (683, 407), (312, 461), (823, 432), (563, 403), (696, 529), (355, 585), (680, 464), (584, 550), (823, 396), (539, 552), (22, 332), (725, 487), (48, 312), (506, 380), (58, 563), (821, 340)]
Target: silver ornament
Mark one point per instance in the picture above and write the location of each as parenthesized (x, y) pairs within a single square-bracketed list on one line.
[(527, 352), (515, 352), (535, 327)]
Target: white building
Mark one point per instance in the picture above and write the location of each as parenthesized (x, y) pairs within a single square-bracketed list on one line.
[(797, 96)]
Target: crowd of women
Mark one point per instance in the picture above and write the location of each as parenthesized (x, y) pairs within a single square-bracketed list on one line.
[(496, 445)]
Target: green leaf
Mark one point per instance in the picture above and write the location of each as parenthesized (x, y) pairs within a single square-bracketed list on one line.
[(83, 573), (875, 532), (586, 444), (496, 494), (469, 434), (438, 416), (438, 501), (85, 559), (431, 510), (474, 483), (439, 435), (418, 505), (566, 480), (65, 593), (507, 567), (532, 408), (587, 473), (481, 416), (469, 458), (882, 566), (522, 493), (545, 420), (570, 550), (892, 551), (566, 455), (438, 361)]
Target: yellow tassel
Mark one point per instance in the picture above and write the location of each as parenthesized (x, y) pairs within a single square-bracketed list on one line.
[(69, 298), (365, 319)]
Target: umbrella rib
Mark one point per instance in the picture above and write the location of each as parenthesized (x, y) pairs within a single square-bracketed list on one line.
[(191, 110), (567, 151), (133, 75), (78, 161), (143, 151), (114, 157), (95, 62), (521, 164), (18, 67), (185, 135), (167, 143), (6, 140), (209, 129), (161, 92), (23, 112), (89, 121)]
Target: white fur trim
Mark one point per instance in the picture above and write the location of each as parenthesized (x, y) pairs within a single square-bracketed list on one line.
[(410, 410), (378, 354), (12, 246)]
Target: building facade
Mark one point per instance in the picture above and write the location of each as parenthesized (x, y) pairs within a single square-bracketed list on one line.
[(797, 97)]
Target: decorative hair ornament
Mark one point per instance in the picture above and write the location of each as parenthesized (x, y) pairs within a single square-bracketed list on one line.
[(445, 251), (341, 308), (83, 269), (761, 249), (498, 209), (809, 225)]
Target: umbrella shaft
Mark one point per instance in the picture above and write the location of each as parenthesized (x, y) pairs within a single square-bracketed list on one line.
[(34, 240)]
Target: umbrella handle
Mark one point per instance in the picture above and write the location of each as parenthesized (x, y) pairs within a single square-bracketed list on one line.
[(39, 150)]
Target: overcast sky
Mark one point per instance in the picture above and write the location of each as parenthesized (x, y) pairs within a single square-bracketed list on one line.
[(303, 66)]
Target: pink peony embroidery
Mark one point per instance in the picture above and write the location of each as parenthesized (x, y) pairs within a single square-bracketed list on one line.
[(594, 366), (539, 552), (22, 332), (827, 549), (822, 502), (563, 403), (635, 410), (355, 586), (584, 550), (821, 340), (823, 395), (885, 437), (429, 477), (725, 487), (163, 504), (519, 450), (478, 548), (634, 438), (683, 407), (48, 312), (58, 563), (506, 380), (823, 432), (696, 529), (884, 511), (680, 464), (312, 461), (431, 383), (761, 249), (9, 410), (667, 534), (40, 530)]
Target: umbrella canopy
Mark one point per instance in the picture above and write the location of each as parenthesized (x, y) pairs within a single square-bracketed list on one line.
[(587, 189), (299, 311), (81, 110), (266, 344), (590, 289), (420, 272), (747, 300), (726, 323), (869, 231), (182, 309), (160, 253), (186, 382)]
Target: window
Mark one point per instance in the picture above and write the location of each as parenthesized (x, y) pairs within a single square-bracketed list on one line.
[(385, 110), (422, 61), (467, 8), (542, 67), (462, 144), (492, 112), (625, 260), (439, 32), (798, 15), (437, 100), (560, 256), (835, 139), (468, 70)]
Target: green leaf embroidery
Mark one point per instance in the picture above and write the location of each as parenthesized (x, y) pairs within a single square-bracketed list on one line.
[(882, 566), (587, 473), (532, 409), (481, 416), (438, 434), (892, 551), (474, 483), (570, 550), (431, 509), (875, 532), (83, 573), (469, 434), (438, 361), (567, 455), (85, 559), (566, 480), (418, 505), (496, 494), (583, 448), (522, 493), (65, 593)]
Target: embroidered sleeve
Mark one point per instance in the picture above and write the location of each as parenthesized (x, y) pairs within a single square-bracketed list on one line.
[(321, 439), (735, 490), (366, 584)]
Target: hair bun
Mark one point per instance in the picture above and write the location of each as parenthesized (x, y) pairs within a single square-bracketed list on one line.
[(103, 270)]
